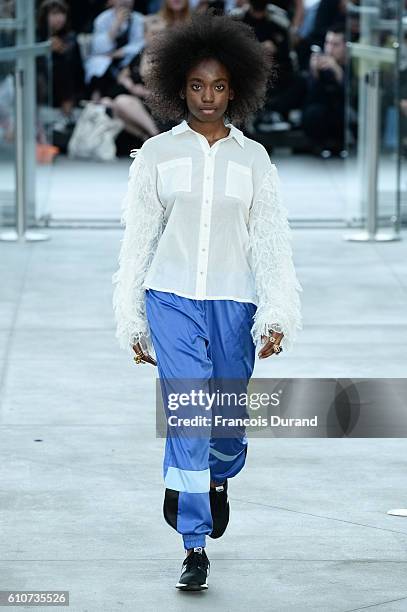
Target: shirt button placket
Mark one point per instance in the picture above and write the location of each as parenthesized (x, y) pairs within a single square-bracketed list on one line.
[(205, 218)]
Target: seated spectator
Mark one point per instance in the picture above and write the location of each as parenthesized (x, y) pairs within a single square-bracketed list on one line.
[(294, 10), (83, 14), (67, 69), (7, 11), (288, 88), (118, 36), (171, 11), (131, 106), (217, 7), (7, 108), (231, 5), (324, 108), (308, 21)]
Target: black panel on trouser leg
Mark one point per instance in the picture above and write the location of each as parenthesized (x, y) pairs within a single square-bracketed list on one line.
[(170, 507)]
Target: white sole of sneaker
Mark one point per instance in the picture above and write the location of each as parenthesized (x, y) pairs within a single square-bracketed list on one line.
[(191, 587)]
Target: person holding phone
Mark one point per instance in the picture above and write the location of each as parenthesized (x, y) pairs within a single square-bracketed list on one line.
[(205, 267), (323, 116)]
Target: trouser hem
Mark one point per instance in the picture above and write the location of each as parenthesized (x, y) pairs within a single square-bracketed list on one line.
[(194, 541)]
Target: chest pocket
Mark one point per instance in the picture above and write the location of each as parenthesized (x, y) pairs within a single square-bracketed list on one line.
[(175, 175), (239, 182)]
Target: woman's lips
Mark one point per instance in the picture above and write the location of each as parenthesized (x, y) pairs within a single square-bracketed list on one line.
[(208, 111)]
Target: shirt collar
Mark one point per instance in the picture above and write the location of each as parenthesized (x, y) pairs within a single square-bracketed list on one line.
[(234, 131)]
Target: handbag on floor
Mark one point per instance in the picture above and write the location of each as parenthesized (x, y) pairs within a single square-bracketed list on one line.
[(94, 134)]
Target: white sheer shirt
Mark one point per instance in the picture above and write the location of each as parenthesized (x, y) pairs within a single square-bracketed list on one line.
[(207, 223)]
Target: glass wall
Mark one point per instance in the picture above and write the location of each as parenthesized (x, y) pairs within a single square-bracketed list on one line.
[(403, 116), (7, 118), (376, 120), (23, 191), (7, 145), (374, 41)]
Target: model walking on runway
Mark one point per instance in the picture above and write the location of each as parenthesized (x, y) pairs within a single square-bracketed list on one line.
[(205, 267)]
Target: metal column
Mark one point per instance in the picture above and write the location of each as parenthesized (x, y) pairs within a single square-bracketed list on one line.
[(370, 166), (24, 55)]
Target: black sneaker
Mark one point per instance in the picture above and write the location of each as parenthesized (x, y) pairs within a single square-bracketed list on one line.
[(220, 509), (195, 571)]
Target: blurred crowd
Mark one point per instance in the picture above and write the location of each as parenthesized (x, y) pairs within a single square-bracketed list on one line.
[(100, 59)]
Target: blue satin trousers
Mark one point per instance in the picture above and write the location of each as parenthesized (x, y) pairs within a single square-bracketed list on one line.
[(204, 340)]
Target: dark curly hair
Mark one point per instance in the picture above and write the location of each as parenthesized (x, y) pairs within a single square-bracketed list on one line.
[(174, 51)]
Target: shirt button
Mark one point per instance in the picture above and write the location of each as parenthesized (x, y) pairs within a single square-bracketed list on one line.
[(205, 225), (203, 249), (207, 201), (201, 272)]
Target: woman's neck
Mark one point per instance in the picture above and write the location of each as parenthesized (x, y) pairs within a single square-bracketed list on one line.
[(213, 130)]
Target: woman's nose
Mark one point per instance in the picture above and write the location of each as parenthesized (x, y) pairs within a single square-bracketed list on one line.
[(207, 95)]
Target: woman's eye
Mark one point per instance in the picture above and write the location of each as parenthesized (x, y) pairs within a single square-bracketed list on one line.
[(196, 86)]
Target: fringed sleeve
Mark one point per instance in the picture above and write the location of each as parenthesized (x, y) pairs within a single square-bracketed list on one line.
[(276, 282), (143, 217)]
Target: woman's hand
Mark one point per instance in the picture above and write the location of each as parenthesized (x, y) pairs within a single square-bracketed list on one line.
[(272, 345), (57, 44), (142, 355), (270, 46), (138, 89)]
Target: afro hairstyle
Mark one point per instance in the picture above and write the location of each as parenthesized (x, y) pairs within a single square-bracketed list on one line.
[(174, 51)]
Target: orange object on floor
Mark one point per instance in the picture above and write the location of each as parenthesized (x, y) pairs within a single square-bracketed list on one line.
[(45, 153)]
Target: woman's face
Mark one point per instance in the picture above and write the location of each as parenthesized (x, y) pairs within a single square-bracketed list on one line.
[(56, 21), (176, 5), (208, 87)]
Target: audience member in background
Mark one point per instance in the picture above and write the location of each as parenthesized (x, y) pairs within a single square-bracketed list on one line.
[(83, 14), (118, 36), (295, 12), (403, 121), (288, 89), (321, 16), (171, 11), (302, 33), (324, 108), (217, 7), (67, 69), (327, 14), (130, 107), (7, 11)]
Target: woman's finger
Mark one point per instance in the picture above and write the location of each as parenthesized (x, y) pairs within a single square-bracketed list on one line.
[(267, 350), (270, 347), (145, 357)]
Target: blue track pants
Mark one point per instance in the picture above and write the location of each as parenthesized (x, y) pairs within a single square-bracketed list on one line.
[(199, 339)]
